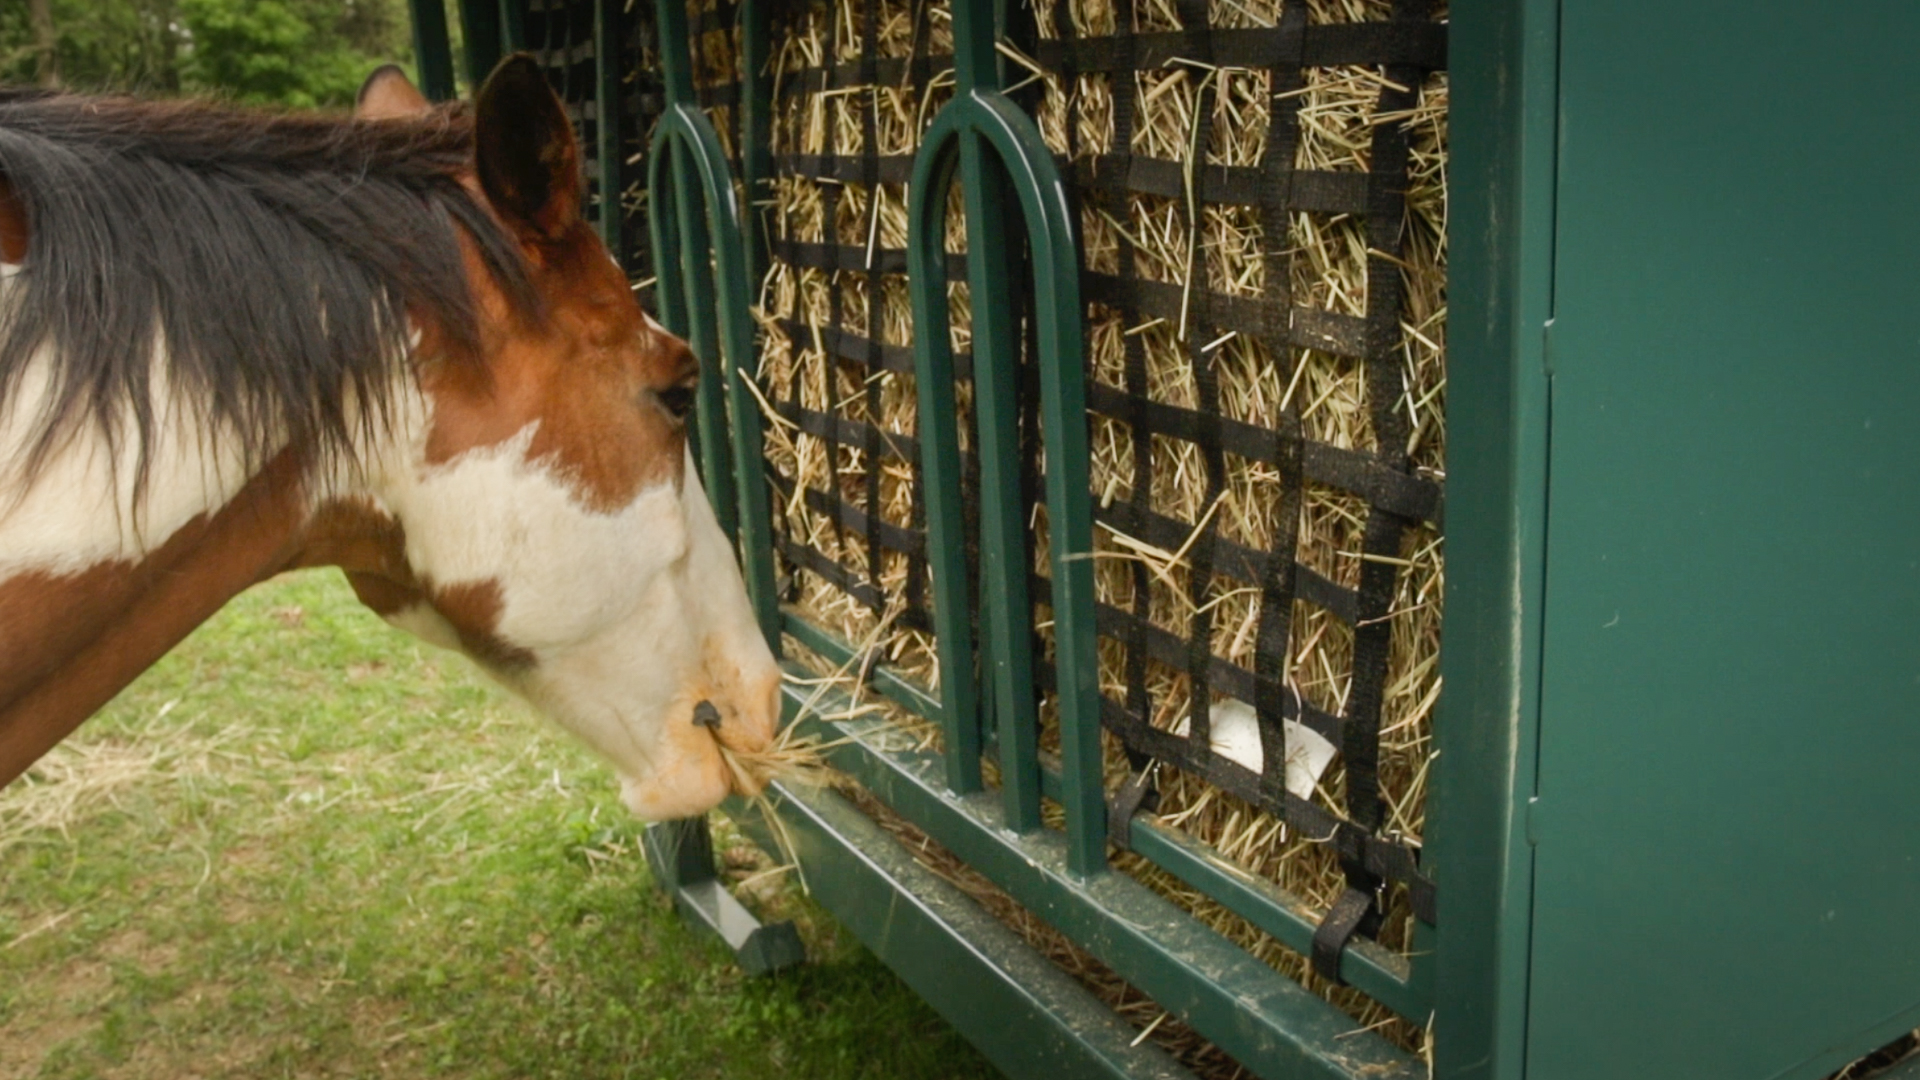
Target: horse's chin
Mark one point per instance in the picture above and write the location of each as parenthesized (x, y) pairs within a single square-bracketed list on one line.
[(689, 783)]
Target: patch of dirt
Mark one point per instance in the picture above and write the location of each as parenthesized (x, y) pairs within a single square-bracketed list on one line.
[(54, 1007)]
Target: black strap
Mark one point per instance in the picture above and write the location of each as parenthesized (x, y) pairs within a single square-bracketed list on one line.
[(1349, 915), (1139, 792)]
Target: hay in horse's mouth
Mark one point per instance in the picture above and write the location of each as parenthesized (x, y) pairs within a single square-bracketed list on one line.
[(789, 756)]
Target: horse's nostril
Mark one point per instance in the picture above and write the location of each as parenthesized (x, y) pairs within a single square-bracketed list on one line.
[(706, 715)]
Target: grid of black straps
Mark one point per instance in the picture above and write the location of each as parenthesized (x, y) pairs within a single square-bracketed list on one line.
[(1407, 48), (857, 352)]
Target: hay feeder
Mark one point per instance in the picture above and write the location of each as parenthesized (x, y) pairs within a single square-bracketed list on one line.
[(1118, 402)]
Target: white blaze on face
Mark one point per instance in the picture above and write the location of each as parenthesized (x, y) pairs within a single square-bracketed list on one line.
[(630, 617)]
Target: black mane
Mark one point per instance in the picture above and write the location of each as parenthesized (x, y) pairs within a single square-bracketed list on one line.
[(276, 256)]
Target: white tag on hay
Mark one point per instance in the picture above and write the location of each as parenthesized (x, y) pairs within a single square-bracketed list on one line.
[(1234, 731)]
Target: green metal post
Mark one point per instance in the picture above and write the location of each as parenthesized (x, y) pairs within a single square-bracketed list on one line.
[(1003, 533), (941, 469), (513, 25), (1504, 84), (709, 266), (975, 59), (696, 269), (980, 112), (480, 36), (432, 49), (676, 71), (606, 98), (756, 131)]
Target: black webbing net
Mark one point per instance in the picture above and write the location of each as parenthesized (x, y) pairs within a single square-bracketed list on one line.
[(851, 97), (1260, 496)]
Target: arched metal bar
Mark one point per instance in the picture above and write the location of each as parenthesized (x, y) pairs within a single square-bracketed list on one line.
[(988, 137), (684, 245), (705, 295)]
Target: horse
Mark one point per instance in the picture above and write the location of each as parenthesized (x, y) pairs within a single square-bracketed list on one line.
[(237, 342)]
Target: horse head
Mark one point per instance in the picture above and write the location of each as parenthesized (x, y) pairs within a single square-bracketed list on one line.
[(541, 512)]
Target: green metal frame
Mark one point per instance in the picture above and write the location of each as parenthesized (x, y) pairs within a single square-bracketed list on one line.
[(991, 146), (680, 854), (606, 98), (1020, 1010), (1278, 1029), (995, 147), (432, 48), (1503, 57), (711, 249), (705, 295)]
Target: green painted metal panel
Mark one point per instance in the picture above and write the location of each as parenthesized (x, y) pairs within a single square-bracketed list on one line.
[(1728, 829), (1500, 225), (1024, 1013)]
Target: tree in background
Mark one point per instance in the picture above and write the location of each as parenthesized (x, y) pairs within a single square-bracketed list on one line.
[(301, 53)]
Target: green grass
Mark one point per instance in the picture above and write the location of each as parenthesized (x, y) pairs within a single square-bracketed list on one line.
[(306, 845)]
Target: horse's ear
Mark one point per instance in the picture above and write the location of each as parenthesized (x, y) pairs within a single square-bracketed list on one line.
[(387, 95), (523, 144)]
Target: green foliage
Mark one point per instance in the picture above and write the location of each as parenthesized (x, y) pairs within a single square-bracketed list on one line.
[(300, 53)]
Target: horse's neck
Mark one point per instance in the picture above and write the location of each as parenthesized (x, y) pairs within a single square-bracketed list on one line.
[(96, 583)]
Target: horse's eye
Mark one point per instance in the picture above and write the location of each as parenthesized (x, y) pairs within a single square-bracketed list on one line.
[(677, 400)]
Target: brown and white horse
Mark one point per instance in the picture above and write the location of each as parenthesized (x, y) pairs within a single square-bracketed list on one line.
[(235, 343)]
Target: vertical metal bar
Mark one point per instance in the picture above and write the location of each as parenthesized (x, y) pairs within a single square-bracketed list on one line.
[(1028, 168), (432, 49), (513, 25), (480, 36), (974, 56), (1004, 558), (696, 267), (1506, 86), (1059, 314), (663, 227), (756, 130), (676, 65), (606, 105), (749, 453), (756, 164), (940, 459)]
